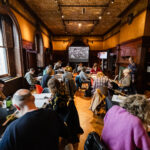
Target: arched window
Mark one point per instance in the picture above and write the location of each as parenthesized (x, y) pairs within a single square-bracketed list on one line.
[(10, 47), (3, 54)]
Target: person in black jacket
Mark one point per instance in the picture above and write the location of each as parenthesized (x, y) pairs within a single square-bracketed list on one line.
[(37, 129)]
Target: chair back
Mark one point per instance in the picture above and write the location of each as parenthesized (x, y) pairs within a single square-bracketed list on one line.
[(93, 142), (39, 89), (104, 90), (46, 90)]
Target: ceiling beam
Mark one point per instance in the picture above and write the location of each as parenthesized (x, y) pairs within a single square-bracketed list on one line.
[(84, 5), (81, 20)]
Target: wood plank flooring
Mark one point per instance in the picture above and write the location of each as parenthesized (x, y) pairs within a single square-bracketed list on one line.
[(88, 121)]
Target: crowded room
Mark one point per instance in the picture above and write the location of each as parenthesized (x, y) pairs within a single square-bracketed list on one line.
[(75, 75)]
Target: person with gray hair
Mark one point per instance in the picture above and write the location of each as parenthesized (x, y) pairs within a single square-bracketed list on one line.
[(125, 126), (36, 129)]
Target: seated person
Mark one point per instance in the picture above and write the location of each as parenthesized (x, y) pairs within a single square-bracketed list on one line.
[(100, 82), (125, 125), (66, 109), (126, 80), (57, 65), (95, 69), (37, 129), (58, 100), (80, 66), (97, 100), (83, 76), (67, 75), (3, 113), (30, 78), (2, 96), (50, 67), (46, 77)]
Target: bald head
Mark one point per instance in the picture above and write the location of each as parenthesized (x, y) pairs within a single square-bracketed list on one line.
[(22, 97)]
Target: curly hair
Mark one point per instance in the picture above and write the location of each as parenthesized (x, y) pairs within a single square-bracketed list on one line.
[(138, 106)]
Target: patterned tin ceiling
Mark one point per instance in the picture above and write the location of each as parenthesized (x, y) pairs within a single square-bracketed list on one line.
[(79, 17)]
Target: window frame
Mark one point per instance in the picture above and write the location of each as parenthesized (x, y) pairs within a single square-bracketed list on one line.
[(5, 47)]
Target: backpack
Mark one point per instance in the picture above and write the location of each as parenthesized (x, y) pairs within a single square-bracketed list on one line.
[(93, 142), (88, 92)]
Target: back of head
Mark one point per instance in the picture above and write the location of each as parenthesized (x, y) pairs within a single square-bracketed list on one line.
[(49, 69), (95, 65), (138, 106), (100, 74), (68, 68), (84, 69), (22, 97), (54, 85)]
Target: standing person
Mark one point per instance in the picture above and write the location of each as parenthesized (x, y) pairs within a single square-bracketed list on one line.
[(30, 78), (37, 129), (95, 69), (125, 125), (2, 96), (133, 69)]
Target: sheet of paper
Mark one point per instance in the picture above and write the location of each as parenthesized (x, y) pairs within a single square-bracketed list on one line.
[(118, 98), (42, 96)]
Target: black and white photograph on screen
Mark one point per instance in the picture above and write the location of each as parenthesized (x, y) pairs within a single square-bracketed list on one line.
[(77, 54)]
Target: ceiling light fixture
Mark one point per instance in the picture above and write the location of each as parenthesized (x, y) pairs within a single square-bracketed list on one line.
[(79, 24), (100, 17), (108, 13), (62, 16), (112, 1)]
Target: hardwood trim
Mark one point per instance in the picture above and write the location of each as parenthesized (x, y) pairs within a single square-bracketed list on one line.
[(5, 10), (129, 41), (34, 24), (113, 27), (128, 8), (4, 75), (84, 5), (27, 7), (111, 35)]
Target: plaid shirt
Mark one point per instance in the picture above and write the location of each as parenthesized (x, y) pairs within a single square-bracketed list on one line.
[(101, 82)]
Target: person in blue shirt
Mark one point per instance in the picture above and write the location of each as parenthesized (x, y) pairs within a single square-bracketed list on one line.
[(132, 68)]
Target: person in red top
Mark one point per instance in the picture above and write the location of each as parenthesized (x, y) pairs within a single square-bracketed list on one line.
[(95, 69)]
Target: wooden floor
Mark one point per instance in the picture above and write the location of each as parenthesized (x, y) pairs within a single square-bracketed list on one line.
[(88, 121)]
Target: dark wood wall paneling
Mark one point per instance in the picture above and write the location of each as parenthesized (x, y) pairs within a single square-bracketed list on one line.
[(138, 49), (12, 86), (60, 55)]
